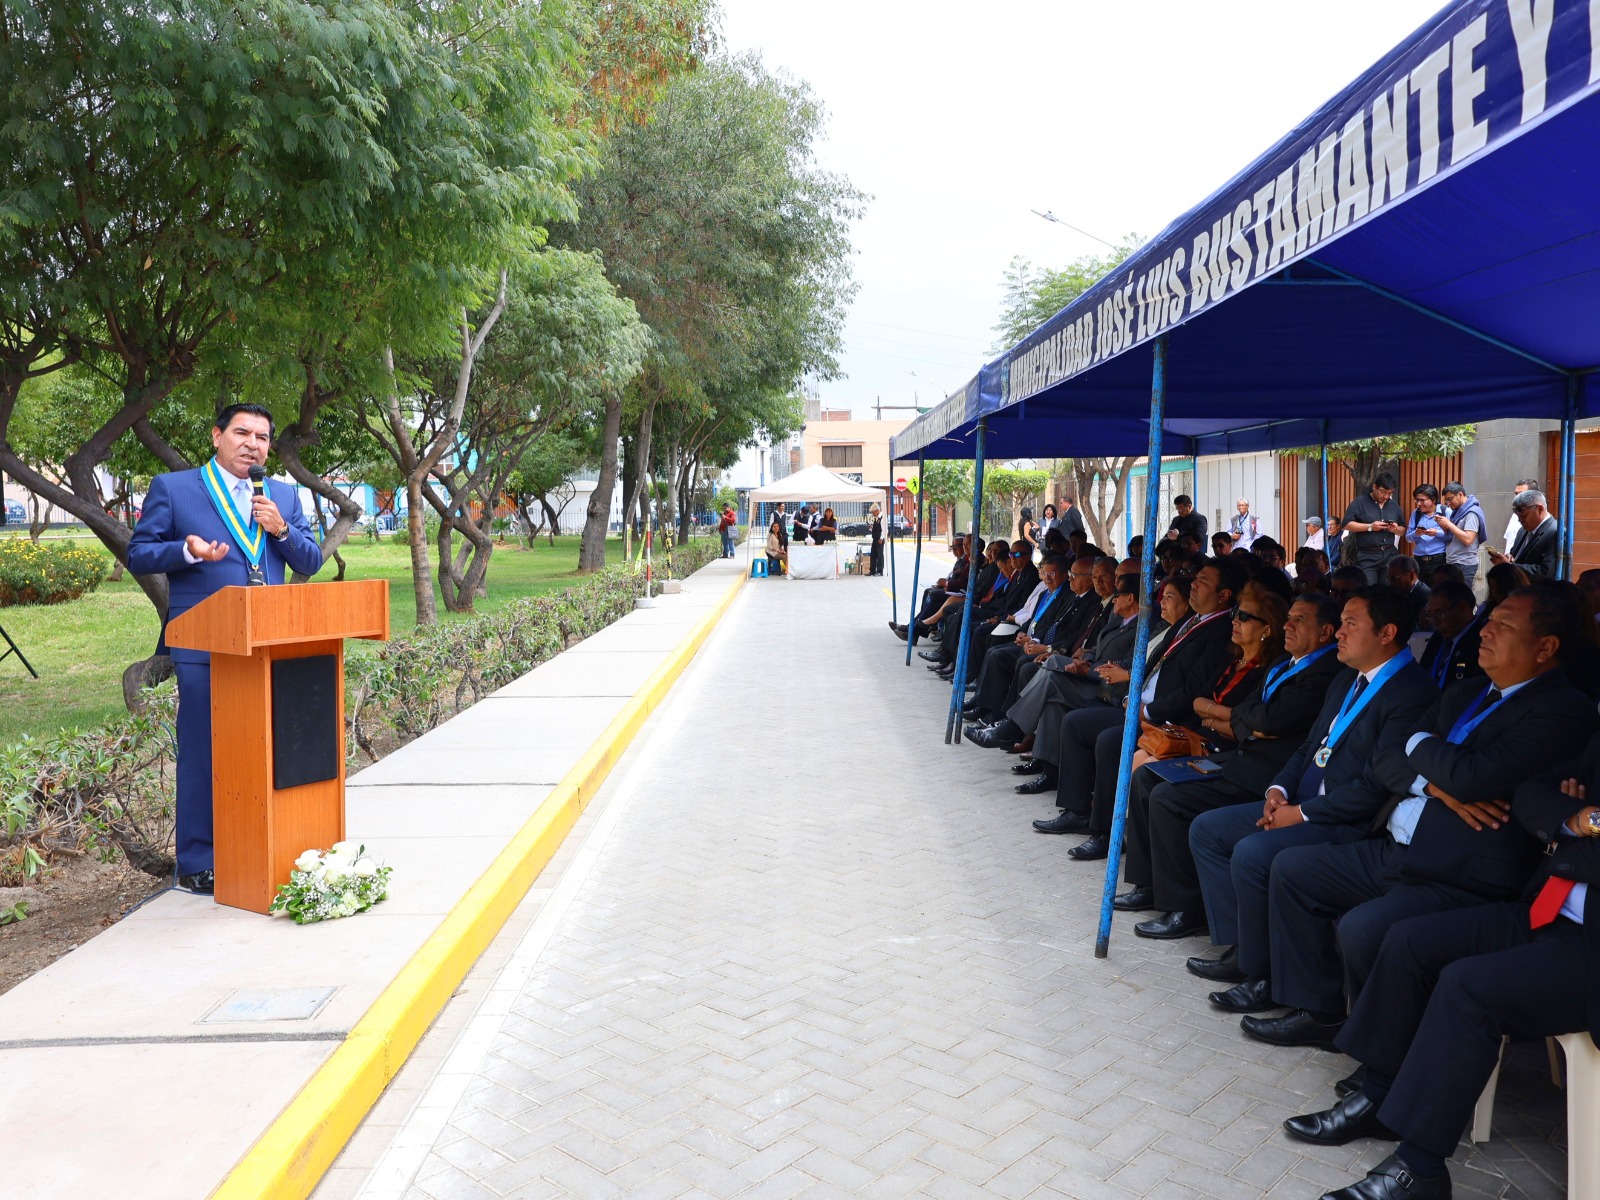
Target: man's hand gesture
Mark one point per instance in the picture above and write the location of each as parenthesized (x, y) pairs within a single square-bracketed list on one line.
[(204, 550)]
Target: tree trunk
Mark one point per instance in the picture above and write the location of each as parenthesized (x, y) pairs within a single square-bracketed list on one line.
[(641, 465), (592, 551), (417, 531)]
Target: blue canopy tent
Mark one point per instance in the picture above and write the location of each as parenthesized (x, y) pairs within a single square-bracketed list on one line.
[(1422, 250)]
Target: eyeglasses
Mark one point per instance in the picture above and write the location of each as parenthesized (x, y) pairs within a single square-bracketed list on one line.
[(1241, 616)]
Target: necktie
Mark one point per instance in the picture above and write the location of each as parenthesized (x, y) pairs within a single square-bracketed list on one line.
[(1547, 904), (1490, 699), (1311, 777)]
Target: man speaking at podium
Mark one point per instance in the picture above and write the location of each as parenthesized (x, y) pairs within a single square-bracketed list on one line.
[(223, 524)]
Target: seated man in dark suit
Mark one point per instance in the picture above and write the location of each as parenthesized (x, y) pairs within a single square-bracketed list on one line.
[(1447, 842), (1186, 665), (955, 597), (1069, 653), (1537, 549), (1447, 987), (1159, 869), (1070, 683), (1019, 579), (1451, 654), (1066, 607), (933, 597), (1326, 793), (1403, 575)]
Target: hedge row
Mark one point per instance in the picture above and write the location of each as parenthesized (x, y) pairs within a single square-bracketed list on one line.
[(47, 572), (109, 790), (413, 683)]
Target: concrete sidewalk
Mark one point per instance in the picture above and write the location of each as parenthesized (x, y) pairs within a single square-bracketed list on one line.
[(798, 947), (149, 1060)]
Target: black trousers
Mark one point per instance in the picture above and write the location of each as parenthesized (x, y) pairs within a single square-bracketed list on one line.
[(997, 679), (1361, 887), (1159, 816), (1082, 758), (1444, 989), (877, 558)]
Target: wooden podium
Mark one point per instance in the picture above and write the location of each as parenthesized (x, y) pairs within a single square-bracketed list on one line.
[(277, 721)]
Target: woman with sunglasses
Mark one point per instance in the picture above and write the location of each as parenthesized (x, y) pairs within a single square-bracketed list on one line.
[(1257, 642)]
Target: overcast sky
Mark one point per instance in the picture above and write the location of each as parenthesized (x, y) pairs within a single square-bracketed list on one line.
[(960, 118)]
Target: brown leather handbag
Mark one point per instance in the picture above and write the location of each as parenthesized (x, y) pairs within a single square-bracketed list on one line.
[(1170, 741)]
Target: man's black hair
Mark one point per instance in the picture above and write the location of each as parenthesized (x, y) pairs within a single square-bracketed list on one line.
[(1454, 594), (1232, 575), (1384, 480), (1403, 563), (1390, 606), (226, 416), (1126, 585), (1425, 489), (1177, 500), (1327, 607), (1058, 561)]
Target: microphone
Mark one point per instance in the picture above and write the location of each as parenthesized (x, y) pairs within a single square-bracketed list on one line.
[(258, 480)]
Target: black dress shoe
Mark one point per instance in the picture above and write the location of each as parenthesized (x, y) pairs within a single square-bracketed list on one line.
[(1170, 926), (1350, 1083), (1039, 783), (1135, 899), (1218, 970), (932, 656), (1028, 767), (972, 712), (1390, 1180), (1063, 822), (1295, 1028), (201, 883), (1251, 996), (976, 734), (1096, 845), (1353, 1117), (899, 630)]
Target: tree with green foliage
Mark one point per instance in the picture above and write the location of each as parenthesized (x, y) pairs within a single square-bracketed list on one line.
[(1010, 488), (715, 220), (1365, 458), (163, 166)]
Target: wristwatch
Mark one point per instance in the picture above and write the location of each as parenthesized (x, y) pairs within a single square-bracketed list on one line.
[(282, 533)]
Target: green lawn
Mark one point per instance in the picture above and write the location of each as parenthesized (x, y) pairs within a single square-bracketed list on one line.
[(80, 649)]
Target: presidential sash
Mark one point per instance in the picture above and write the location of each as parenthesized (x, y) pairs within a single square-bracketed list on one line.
[(247, 535)]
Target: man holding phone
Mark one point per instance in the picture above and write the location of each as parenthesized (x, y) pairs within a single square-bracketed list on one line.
[(1371, 523), (1424, 532)]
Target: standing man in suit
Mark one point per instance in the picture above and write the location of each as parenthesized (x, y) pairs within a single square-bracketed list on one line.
[(204, 530), (1326, 793), (1451, 654), (1268, 728), (1071, 520), (1447, 987), (1537, 549), (1448, 840)]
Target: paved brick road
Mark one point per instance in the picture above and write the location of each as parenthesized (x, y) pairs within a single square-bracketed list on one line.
[(821, 954)]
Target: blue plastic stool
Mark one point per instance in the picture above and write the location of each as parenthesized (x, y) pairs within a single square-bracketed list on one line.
[(758, 568)]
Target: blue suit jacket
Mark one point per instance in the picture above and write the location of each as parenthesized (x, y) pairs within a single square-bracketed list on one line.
[(175, 507)]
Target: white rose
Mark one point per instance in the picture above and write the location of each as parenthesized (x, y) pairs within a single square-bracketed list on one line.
[(365, 867), (334, 872), (308, 861), (348, 848)]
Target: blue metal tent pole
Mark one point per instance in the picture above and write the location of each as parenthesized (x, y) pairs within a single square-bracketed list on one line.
[(1141, 642), (1327, 547), (888, 532), (1568, 517), (916, 571), (958, 681)]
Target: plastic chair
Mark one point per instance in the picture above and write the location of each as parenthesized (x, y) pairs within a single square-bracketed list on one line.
[(758, 568), (1583, 1114)]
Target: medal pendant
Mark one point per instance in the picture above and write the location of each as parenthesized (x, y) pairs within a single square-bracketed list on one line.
[(256, 577), (1324, 753)]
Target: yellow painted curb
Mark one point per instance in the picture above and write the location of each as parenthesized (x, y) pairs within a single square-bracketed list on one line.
[(289, 1159)]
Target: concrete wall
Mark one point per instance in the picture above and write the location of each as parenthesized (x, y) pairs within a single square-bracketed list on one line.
[(1221, 479), (1504, 452)]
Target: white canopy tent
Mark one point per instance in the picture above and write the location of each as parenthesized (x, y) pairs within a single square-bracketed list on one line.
[(814, 483)]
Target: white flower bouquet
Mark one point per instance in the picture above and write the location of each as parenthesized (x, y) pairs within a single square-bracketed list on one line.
[(334, 883)]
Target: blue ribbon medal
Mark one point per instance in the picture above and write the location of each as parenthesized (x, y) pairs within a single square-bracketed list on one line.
[(248, 536), (1353, 706), (1287, 670)]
